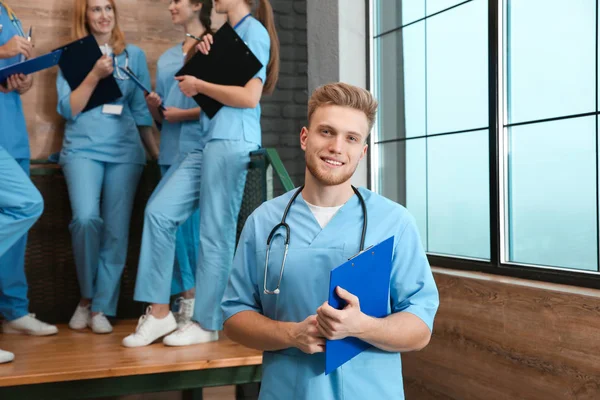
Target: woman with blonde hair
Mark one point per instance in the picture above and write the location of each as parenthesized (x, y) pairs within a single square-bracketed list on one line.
[(102, 160)]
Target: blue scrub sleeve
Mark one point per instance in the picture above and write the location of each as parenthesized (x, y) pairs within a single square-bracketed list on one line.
[(412, 287), (242, 293), (259, 43), (64, 97), (160, 86), (137, 102)]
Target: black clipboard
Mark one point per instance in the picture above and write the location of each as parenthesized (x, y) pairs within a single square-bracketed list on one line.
[(229, 62), (77, 60)]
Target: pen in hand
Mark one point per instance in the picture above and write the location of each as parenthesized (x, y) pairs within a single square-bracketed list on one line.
[(29, 40), (193, 37)]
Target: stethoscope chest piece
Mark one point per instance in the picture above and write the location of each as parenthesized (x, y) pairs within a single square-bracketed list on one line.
[(284, 224)]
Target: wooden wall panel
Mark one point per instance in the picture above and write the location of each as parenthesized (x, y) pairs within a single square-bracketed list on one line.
[(508, 340), (146, 23)]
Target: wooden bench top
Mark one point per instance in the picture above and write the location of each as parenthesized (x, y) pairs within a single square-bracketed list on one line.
[(72, 355)]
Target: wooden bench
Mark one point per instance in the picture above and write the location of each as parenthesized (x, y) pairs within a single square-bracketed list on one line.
[(83, 365), (76, 365)]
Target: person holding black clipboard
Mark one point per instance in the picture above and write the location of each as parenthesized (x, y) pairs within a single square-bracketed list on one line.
[(213, 177), (280, 305), (102, 159), (20, 202), (180, 134)]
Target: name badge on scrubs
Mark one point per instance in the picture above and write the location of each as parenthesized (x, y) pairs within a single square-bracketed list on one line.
[(112, 109)]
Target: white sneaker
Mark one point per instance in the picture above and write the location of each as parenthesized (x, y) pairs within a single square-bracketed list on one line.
[(149, 329), (190, 333), (185, 312), (6, 356), (81, 318), (29, 325), (99, 324)]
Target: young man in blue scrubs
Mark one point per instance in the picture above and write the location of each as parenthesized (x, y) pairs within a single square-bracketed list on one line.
[(20, 202), (326, 219)]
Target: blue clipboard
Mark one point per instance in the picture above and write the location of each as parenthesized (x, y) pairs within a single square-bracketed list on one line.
[(30, 66), (139, 84), (367, 276)]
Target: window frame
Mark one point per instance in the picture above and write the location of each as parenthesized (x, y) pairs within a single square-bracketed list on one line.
[(498, 134)]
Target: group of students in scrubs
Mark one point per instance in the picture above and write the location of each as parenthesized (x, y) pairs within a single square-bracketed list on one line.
[(190, 220), (188, 242)]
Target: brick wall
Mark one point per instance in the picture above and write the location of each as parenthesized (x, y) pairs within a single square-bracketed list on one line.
[(284, 112)]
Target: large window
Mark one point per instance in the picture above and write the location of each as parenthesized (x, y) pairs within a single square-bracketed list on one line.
[(487, 130)]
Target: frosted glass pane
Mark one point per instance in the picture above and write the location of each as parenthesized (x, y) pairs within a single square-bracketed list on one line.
[(551, 58), (552, 194), (457, 69), (434, 6), (458, 194), (387, 15), (403, 178), (412, 10), (416, 184), (401, 84), (389, 86)]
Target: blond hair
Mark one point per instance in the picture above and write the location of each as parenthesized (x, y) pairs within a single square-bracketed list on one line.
[(81, 28), (344, 95)]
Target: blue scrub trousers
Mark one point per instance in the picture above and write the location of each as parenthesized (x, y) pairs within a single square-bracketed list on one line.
[(100, 229), (212, 179), (21, 204), (186, 250)]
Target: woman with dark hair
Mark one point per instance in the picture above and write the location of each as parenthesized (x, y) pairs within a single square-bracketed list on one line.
[(180, 134), (213, 176)]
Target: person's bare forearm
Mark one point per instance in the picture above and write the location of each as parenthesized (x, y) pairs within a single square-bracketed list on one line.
[(233, 96), (259, 332), (147, 135), (192, 114), (81, 96), (156, 114), (399, 332)]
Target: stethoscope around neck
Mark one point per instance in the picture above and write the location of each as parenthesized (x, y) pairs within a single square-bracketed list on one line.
[(284, 225), (117, 74), (13, 19)]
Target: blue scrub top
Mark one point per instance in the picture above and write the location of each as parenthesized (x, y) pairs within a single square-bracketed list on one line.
[(13, 130), (105, 137), (179, 137), (242, 123), (313, 253)]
